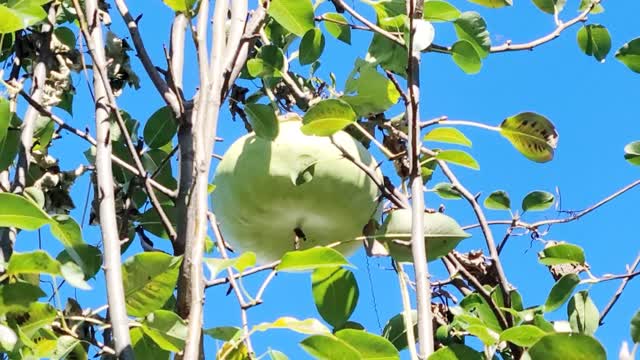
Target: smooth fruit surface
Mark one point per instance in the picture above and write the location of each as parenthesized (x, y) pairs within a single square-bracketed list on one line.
[(441, 233), (268, 192)]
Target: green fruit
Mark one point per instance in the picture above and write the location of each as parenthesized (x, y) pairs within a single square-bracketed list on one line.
[(441, 234), (267, 191)]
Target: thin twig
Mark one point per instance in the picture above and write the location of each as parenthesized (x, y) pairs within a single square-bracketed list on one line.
[(167, 94), (630, 275), (407, 310), (340, 4)]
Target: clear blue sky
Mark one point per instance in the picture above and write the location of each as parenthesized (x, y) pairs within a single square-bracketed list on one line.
[(590, 103)]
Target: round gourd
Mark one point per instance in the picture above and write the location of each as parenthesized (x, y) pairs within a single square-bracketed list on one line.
[(268, 193), (441, 233)]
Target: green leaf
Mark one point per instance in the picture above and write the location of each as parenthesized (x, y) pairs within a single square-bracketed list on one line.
[(37, 316), (327, 117), (375, 93), (565, 346), (20, 212), (329, 347), (458, 157), (311, 46), (67, 230), (311, 259), (583, 314), (447, 191), (632, 153), (561, 291), (149, 280), (470, 26), (18, 296), (5, 118), (562, 254), (89, 255), (594, 40), (456, 352), (338, 26), (484, 334), (478, 312), (10, 144), (151, 222), (585, 4), (166, 329), (18, 15), (533, 135), (335, 293), (493, 3), (464, 54), (74, 275), (180, 5), (498, 200), (244, 261), (144, 347), (35, 262), (437, 11), (269, 62), (395, 330), (448, 135), (635, 327), (307, 326), (537, 201), (160, 128), (294, 15), (522, 335), (387, 53), (68, 347), (369, 346), (550, 6), (276, 355), (263, 120), (224, 333)]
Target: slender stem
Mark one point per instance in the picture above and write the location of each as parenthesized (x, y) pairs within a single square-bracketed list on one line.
[(169, 96), (105, 188), (445, 121), (406, 311), (618, 293), (375, 141), (418, 248), (340, 4)]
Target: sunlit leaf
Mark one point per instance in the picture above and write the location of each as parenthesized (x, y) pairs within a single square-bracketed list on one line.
[(458, 157), (335, 293), (18, 296), (270, 62), (387, 53), (5, 118), (498, 200), (436, 11), (370, 346), (35, 262), (224, 333), (311, 46), (327, 117), (522, 335), (18, 15), (470, 26), (307, 326), (561, 291), (338, 27), (585, 4), (263, 120), (448, 135), (144, 347), (374, 92), (447, 191), (594, 40), (464, 54), (166, 329), (149, 280), (493, 3), (20, 212), (537, 201), (583, 314), (456, 352), (294, 15), (632, 153), (562, 254), (311, 259), (180, 5), (329, 347), (550, 6), (564, 346), (395, 330), (533, 135), (160, 128)]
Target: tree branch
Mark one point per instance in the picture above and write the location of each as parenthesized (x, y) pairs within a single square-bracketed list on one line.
[(105, 188), (630, 275), (340, 4), (170, 98), (418, 248)]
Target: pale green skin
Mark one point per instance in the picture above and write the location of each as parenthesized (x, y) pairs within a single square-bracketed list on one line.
[(258, 205), (441, 234)]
